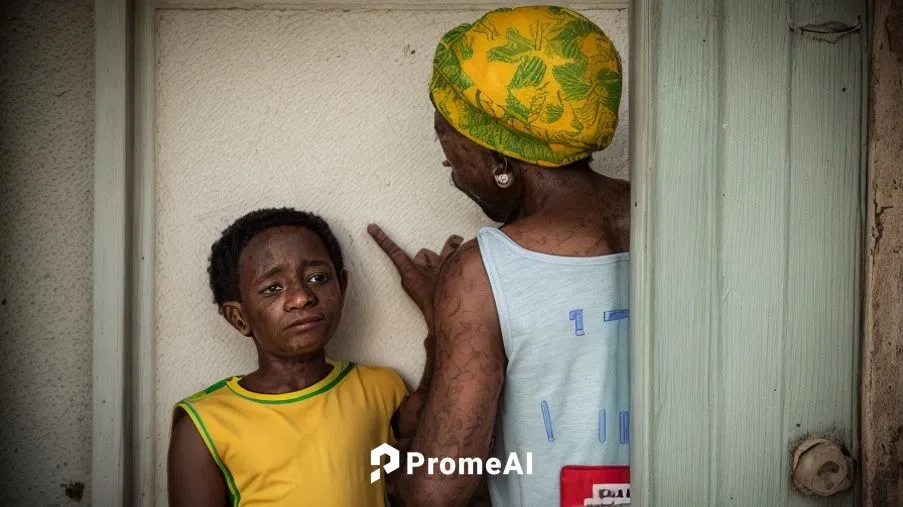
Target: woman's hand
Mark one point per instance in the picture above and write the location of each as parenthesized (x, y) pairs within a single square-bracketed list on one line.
[(419, 275)]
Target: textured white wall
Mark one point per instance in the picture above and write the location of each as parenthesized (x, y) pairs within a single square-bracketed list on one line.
[(46, 182), (323, 111)]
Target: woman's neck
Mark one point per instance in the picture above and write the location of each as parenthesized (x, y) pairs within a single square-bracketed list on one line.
[(548, 189)]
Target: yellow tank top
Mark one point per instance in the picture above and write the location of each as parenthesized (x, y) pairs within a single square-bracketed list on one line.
[(304, 448)]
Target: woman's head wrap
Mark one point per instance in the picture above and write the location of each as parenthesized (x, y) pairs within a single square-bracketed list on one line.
[(540, 84)]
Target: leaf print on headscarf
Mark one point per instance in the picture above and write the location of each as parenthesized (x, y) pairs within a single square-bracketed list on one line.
[(527, 104), (466, 49), (486, 28), (517, 110), (605, 52), (480, 125), (450, 68), (554, 112), (589, 113), (600, 119), (537, 31), (567, 41), (537, 106), (608, 86), (455, 33), (487, 105), (530, 72), (576, 125), (572, 79), (513, 50)]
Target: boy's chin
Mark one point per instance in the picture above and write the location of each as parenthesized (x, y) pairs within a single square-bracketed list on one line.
[(304, 347)]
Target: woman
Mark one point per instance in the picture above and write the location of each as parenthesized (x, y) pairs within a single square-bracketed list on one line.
[(529, 320)]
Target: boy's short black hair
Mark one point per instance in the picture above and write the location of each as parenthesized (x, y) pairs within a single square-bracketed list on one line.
[(226, 251)]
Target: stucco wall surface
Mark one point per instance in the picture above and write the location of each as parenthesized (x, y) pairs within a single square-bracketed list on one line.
[(46, 183), (323, 111)]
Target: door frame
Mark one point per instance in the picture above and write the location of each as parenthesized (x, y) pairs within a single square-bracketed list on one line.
[(881, 391), (123, 450)]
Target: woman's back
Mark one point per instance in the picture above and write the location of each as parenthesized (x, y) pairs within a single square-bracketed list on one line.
[(564, 322)]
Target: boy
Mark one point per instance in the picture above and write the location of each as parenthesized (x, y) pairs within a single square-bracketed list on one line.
[(297, 431)]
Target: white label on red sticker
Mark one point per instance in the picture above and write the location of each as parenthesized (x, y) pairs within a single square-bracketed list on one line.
[(608, 494)]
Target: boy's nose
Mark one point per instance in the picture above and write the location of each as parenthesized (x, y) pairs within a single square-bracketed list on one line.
[(301, 297)]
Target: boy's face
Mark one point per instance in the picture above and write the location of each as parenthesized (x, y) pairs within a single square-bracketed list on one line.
[(291, 296)]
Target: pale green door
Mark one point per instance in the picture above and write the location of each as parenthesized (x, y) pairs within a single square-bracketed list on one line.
[(747, 157)]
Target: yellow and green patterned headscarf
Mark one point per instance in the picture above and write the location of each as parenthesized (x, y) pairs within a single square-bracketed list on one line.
[(540, 84)]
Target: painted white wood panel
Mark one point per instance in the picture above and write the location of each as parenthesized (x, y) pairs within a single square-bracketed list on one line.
[(752, 197), (750, 245), (143, 383), (111, 284), (825, 214), (682, 253)]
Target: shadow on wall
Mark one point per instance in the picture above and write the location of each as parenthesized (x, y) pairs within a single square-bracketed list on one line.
[(46, 205)]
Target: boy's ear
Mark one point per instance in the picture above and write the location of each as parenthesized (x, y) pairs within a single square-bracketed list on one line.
[(234, 314)]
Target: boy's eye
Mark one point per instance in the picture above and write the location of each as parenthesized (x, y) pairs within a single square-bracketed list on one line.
[(272, 289), (317, 278)]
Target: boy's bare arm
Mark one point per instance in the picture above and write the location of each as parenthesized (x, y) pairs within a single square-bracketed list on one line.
[(193, 477)]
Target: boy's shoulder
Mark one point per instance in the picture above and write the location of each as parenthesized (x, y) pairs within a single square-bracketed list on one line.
[(213, 391), (378, 371), (383, 377)]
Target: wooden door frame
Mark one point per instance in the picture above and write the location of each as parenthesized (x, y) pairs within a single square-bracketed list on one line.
[(882, 354)]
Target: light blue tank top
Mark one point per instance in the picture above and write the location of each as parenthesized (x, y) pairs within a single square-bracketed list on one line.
[(565, 327)]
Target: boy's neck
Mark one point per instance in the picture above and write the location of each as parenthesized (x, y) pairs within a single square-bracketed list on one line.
[(279, 375)]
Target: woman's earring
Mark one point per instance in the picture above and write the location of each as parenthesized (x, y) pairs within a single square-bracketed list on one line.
[(503, 178)]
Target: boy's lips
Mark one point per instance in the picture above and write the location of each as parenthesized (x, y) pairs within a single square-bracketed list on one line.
[(306, 323)]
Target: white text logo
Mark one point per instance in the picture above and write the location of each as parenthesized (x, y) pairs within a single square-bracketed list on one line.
[(448, 466)]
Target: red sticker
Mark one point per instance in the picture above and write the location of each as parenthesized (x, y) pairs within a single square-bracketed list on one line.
[(595, 486)]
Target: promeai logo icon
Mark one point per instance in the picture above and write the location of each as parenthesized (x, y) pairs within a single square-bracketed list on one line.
[(376, 460)]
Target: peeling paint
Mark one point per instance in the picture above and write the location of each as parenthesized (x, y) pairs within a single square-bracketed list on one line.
[(879, 227)]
